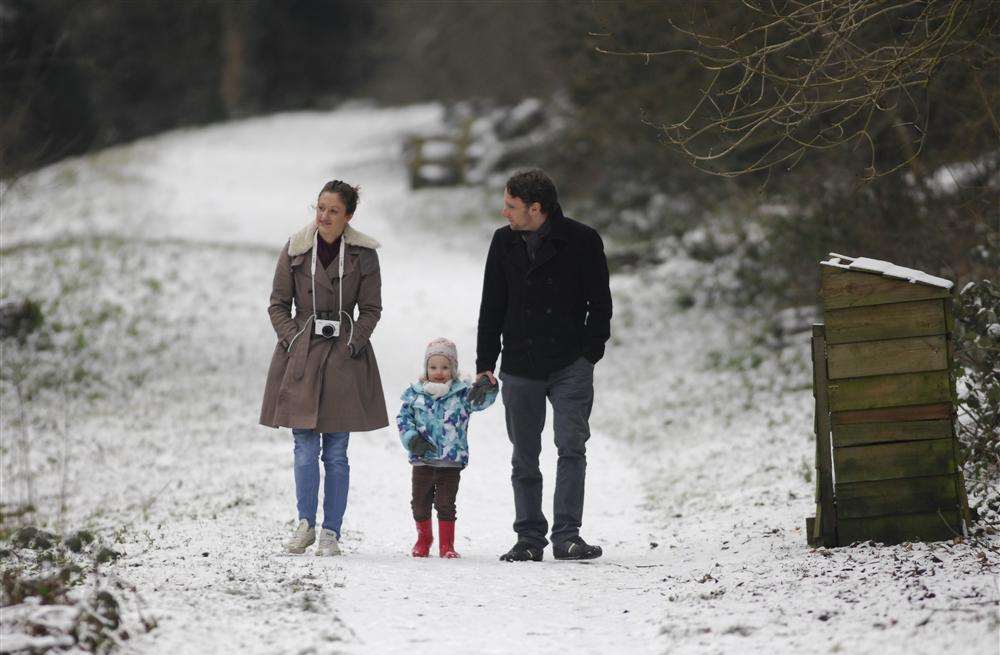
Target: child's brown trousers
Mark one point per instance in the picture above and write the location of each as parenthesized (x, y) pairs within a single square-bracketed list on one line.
[(438, 485)]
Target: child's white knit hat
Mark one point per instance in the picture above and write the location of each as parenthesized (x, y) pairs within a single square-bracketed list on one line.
[(445, 348)]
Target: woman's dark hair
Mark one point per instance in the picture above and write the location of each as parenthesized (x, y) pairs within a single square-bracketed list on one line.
[(349, 194), (534, 186)]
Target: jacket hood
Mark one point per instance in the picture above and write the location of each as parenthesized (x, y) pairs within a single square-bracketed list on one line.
[(302, 241)]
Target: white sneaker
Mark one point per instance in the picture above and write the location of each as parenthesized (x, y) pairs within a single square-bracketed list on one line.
[(327, 543), (302, 538)]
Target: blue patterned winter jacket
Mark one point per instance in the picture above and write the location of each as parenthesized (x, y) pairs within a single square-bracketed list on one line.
[(444, 422)]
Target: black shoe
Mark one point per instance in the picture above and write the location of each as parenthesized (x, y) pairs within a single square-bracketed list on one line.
[(575, 548), (522, 551)]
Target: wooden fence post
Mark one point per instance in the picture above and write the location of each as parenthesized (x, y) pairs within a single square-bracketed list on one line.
[(825, 526)]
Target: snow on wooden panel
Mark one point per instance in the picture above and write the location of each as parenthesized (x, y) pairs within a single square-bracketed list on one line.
[(887, 269)]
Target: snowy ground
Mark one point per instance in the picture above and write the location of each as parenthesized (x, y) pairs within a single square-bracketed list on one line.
[(700, 459)]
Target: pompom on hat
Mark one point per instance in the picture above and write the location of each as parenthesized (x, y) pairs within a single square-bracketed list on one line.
[(445, 348)]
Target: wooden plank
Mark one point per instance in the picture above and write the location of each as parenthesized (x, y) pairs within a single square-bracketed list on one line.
[(963, 498), (840, 288), (812, 534), (855, 360), (825, 512), (949, 314), (949, 320), (879, 322), (903, 459), (928, 526), (937, 411), (890, 505), (924, 484), (898, 496), (859, 434), (889, 391)]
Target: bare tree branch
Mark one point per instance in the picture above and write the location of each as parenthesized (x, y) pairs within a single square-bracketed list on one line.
[(813, 74)]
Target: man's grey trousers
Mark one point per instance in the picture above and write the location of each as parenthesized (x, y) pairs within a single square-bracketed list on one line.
[(571, 392)]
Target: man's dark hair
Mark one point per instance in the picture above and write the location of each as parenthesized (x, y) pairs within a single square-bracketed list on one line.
[(348, 194), (534, 186)]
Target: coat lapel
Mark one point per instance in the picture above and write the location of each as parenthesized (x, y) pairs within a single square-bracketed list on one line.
[(350, 263), (305, 262), (323, 277), (517, 253), (544, 254), (553, 242)]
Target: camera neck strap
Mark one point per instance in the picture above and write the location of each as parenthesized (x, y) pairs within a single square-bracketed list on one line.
[(340, 294)]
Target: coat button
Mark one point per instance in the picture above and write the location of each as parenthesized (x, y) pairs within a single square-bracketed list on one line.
[(548, 310), (530, 342), (527, 283), (548, 281)]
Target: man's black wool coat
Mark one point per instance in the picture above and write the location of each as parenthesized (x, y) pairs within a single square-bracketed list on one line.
[(550, 311)]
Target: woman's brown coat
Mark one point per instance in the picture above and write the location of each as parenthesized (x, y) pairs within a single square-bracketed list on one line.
[(317, 384)]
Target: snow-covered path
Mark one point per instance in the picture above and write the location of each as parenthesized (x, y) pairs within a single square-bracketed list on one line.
[(695, 482), (249, 184)]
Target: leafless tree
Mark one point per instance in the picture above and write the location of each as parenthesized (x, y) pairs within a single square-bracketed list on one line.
[(812, 75)]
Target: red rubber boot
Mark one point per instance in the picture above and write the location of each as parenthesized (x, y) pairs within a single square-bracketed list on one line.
[(425, 537), (446, 530)]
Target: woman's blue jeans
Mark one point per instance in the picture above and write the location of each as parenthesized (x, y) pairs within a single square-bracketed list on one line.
[(331, 448)]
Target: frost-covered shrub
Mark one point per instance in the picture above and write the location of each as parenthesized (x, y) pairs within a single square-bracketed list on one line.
[(96, 333), (739, 270), (977, 362), (56, 596)]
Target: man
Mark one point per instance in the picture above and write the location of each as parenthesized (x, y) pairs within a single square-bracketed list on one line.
[(545, 290)]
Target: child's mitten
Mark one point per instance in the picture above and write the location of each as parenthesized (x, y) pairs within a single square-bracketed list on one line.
[(420, 445), (477, 395)]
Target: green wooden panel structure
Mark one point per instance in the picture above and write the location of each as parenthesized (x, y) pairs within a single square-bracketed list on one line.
[(886, 454)]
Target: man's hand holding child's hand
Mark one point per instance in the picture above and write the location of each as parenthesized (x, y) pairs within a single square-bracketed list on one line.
[(484, 382)]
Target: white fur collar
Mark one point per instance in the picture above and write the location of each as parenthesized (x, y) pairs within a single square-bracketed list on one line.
[(302, 241)]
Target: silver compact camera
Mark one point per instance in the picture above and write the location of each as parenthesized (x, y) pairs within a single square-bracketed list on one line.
[(325, 327)]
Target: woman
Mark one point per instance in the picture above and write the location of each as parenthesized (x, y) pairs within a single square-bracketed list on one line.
[(324, 381)]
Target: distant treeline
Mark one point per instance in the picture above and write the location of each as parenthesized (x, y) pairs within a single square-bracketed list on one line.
[(85, 74), (79, 75)]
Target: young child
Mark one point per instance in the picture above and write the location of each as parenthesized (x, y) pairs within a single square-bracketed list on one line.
[(433, 423)]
